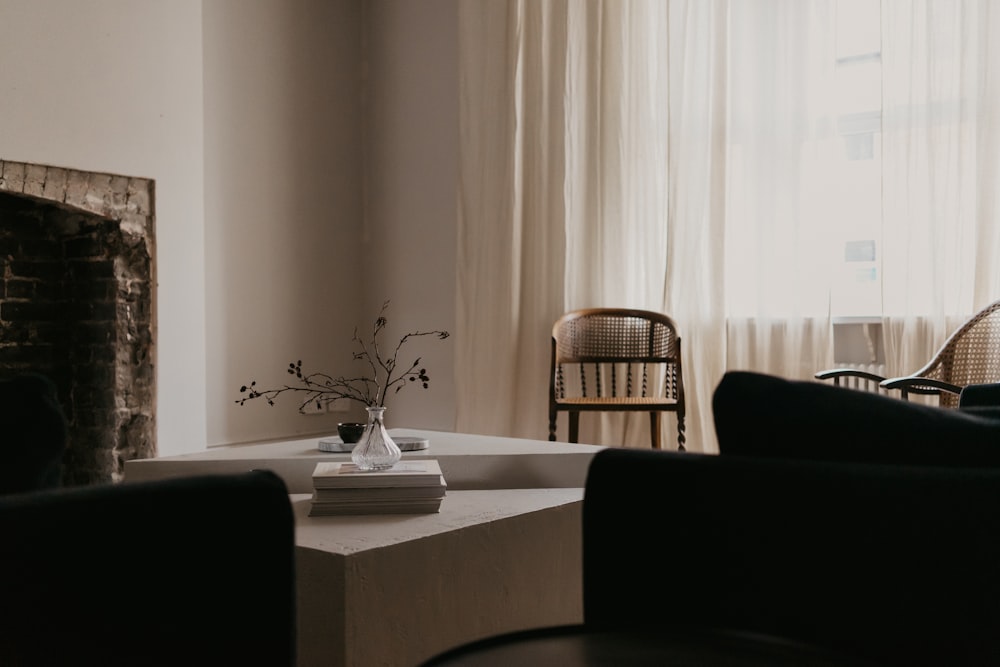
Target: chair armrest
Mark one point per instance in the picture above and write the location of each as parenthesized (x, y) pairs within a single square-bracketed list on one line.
[(919, 385), (834, 373)]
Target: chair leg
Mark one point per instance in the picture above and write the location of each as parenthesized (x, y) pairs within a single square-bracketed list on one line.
[(680, 432), (574, 426), (654, 430), (552, 425)]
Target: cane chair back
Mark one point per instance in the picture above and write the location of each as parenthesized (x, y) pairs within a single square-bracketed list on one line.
[(616, 360), (970, 355)]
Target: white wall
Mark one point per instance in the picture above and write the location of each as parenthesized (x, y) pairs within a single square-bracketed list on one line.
[(282, 204), (113, 86), (296, 104), (412, 204), (266, 249)]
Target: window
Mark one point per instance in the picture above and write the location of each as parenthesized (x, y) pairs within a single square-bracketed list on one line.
[(856, 287)]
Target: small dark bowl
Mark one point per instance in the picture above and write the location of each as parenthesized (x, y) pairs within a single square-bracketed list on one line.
[(350, 431)]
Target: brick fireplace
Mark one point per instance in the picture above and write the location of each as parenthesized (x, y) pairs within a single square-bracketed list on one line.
[(77, 296)]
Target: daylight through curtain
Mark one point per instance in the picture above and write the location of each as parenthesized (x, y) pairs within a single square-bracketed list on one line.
[(941, 146), (702, 158)]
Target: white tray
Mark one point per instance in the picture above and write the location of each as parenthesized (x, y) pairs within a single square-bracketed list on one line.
[(404, 442)]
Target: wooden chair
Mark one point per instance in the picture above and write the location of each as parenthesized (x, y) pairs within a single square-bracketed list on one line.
[(616, 360), (971, 355)]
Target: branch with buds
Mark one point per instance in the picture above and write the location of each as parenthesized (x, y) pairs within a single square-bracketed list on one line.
[(384, 375)]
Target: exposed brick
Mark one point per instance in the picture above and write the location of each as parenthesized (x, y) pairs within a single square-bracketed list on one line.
[(95, 379), (84, 247), (82, 265), (55, 184), (135, 440), (98, 354), (93, 333), (34, 180), (30, 268), (32, 311), (16, 333), (50, 331), (99, 289), (134, 291), (12, 179), (17, 288), (89, 460), (99, 194), (29, 356), (135, 227), (43, 249), (119, 193), (78, 182), (89, 311), (47, 290), (25, 227), (91, 269), (94, 398), (139, 197)]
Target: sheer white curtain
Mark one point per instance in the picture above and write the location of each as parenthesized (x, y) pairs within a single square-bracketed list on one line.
[(616, 173), (562, 200), (780, 203), (512, 212), (697, 176), (610, 155), (683, 156), (941, 146)]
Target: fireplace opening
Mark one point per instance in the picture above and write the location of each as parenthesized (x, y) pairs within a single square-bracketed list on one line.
[(77, 306)]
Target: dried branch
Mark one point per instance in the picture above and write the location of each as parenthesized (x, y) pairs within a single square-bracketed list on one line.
[(370, 390)]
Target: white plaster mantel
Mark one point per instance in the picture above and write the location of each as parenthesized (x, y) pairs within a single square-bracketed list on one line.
[(467, 461)]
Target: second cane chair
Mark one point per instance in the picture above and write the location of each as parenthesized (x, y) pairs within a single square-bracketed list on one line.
[(970, 355), (616, 360)]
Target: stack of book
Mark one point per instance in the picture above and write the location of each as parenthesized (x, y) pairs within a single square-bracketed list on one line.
[(409, 487)]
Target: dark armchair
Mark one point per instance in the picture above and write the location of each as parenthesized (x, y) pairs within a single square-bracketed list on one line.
[(33, 434), (897, 565), (195, 571), (764, 415)]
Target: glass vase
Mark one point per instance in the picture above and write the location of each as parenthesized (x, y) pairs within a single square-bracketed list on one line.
[(376, 449)]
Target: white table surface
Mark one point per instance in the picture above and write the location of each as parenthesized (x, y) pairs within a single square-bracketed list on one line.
[(467, 461)]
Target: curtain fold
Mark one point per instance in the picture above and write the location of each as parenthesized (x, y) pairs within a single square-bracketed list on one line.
[(511, 211), (563, 109), (780, 207), (698, 136), (616, 171)]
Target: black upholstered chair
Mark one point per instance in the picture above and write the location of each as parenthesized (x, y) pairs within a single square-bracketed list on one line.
[(981, 399), (893, 564), (764, 415), (188, 571), (33, 433)]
